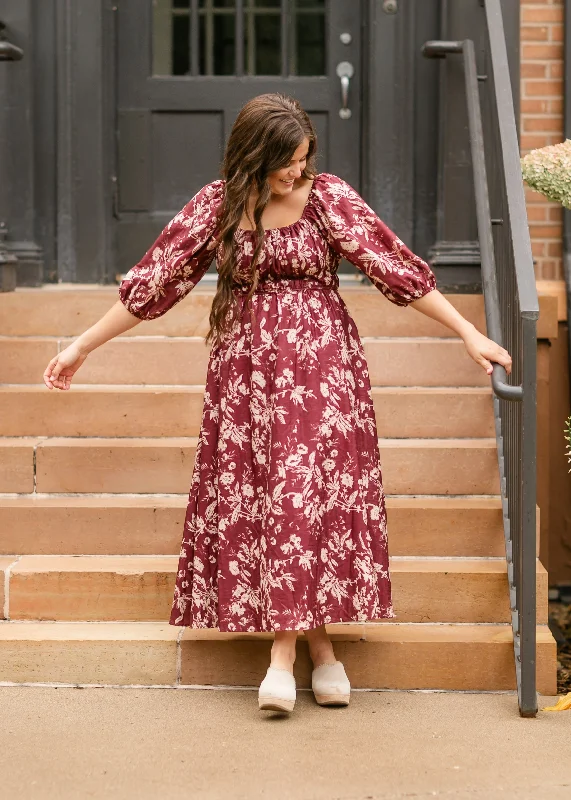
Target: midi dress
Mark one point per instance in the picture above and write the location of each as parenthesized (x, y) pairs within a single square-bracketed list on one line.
[(286, 526)]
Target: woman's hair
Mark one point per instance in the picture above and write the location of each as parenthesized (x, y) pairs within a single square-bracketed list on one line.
[(267, 132)]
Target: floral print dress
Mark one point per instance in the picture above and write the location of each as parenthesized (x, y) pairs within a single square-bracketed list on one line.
[(286, 521)]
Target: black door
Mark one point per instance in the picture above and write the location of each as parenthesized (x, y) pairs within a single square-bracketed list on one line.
[(185, 68)]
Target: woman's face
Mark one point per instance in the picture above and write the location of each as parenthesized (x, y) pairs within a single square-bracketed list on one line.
[(281, 180)]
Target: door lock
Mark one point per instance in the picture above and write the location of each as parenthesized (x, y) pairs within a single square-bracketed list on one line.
[(390, 6)]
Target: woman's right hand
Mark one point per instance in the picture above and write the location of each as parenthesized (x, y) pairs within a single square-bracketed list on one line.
[(63, 367)]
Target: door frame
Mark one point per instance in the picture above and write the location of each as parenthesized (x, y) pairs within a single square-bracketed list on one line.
[(72, 159)]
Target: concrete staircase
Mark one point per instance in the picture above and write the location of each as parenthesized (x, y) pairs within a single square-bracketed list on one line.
[(94, 483)]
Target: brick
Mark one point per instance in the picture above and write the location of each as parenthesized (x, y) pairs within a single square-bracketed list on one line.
[(556, 107), (542, 52), (534, 33), (537, 213), (548, 270), (534, 106), (545, 231), (533, 141), (538, 248), (556, 70), (555, 213), (541, 15), (547, 88), (555, 249), (533, 70), (531, 196), (549, 124)]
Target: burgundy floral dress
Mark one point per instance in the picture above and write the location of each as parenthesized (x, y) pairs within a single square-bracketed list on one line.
[(286, 521)]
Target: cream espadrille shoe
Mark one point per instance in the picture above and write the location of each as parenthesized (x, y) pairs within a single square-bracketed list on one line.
[(331, 685), (277, 691)]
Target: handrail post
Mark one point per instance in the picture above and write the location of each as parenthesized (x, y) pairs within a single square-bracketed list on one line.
[(510, 298)]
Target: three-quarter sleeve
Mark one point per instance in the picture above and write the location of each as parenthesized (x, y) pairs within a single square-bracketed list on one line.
[(177, 260), (356, 233)]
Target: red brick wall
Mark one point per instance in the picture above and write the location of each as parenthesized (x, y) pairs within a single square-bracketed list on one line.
[(542, 120)]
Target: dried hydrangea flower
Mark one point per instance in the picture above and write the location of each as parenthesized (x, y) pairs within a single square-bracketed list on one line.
[(548, 170)]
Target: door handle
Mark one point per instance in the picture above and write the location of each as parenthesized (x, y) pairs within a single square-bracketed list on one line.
[(345, 72), (8, 51)]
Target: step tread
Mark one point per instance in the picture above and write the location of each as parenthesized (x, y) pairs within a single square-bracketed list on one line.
[(134, 565), (444, 340), (147, 631), (180, 501), (159, 388), (191, 441)]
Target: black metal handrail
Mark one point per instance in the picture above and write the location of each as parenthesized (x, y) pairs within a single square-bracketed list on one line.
[(512, 310)]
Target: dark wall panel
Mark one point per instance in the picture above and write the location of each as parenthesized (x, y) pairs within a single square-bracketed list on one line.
[(186, 150), (320, 120)]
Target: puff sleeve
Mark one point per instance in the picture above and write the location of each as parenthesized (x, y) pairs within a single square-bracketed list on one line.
[(356, 233), (177, 260)]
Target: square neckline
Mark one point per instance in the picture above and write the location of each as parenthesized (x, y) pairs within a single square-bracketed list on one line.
[(291, 225)]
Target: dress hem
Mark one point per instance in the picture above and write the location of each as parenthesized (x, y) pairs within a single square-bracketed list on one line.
[(337, 621)]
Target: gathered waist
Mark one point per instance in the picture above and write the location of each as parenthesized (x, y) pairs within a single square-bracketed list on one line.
[(287, 283)]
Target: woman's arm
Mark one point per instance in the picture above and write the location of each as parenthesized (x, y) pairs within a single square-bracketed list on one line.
[(479, 347), (168, 271), (63, 367)]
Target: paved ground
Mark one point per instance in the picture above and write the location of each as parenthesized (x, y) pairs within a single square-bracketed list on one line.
[(169, 744)]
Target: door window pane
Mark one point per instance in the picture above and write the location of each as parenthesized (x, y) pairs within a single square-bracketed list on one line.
[(262, 43), (309, 47), (171, 29), (217, 38), (198, 37)]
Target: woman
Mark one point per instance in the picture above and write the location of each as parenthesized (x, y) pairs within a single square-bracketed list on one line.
[(286, 521)]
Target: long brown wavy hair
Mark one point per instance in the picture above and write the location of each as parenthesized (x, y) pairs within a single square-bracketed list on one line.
[(267, 132)]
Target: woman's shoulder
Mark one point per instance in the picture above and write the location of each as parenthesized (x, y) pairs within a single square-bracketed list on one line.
[(214, 189), (206, 199), (331, 190), (325, 179)]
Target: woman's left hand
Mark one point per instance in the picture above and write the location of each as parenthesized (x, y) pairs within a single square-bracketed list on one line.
[(484, 351)]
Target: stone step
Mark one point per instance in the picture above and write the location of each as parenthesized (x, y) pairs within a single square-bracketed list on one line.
[(164, 466), (177, 411), (140, 588), (183, 361), (396, 656), (68, 311), (17, 465), (152, 525)]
